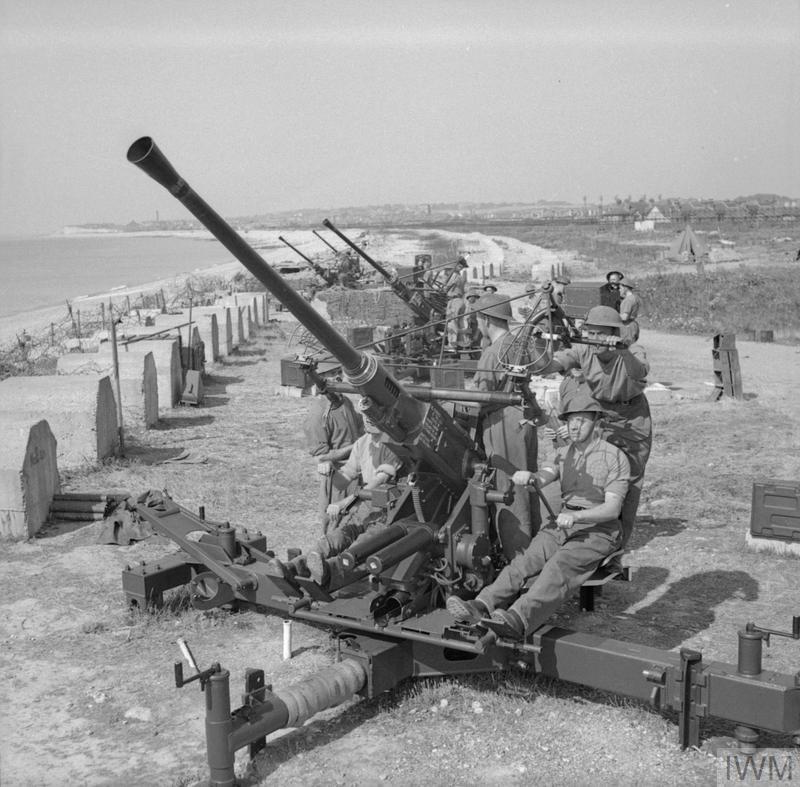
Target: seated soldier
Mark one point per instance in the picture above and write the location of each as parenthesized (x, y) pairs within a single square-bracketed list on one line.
[(373, 463), (563, 555)]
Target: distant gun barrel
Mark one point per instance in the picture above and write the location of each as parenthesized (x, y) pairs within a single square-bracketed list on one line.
[(414, 299), (329, 245), (318, 269)]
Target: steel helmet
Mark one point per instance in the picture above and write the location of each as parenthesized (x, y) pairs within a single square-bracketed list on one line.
[(604, 316), (494, 305), (580, 402)]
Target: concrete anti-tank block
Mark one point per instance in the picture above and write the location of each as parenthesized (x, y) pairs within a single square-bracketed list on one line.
[(80, 410), (28, 476), (138, 381)]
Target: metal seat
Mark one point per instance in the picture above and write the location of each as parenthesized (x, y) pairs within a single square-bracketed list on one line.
[(610, 568)]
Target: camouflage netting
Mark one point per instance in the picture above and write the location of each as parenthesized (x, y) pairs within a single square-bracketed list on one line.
[(365, 307)]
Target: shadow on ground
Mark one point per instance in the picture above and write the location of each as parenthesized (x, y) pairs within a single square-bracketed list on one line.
[(687, 606)]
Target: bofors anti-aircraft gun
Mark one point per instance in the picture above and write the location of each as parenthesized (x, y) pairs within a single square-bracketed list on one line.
[(325, 274), (439, 540)]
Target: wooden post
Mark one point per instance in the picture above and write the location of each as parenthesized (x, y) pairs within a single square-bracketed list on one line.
[(128, 304), (78, 323), (189, 342), (102, 316), (163, 303), (117, 387), (52, 334)]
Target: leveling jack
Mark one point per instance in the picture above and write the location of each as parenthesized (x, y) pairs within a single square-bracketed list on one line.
[(263, 711)]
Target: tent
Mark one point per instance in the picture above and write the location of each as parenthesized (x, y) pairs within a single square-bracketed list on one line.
[(687, 244)]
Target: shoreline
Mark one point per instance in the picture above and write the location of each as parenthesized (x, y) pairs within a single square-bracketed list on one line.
[(397, 246), (36, 322)]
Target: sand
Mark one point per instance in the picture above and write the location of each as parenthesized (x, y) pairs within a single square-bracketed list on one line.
[(517, 259)]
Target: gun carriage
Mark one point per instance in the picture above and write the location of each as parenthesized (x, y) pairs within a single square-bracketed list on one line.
[(440, 539)]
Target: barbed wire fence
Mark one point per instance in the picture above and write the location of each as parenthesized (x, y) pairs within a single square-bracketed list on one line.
[(36, 352)]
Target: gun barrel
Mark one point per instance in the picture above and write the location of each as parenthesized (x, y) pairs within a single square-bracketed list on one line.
[(296, 250), (357, 553), (329, 245), (426, 394), (363, 370), (318, 269), (415, 540)]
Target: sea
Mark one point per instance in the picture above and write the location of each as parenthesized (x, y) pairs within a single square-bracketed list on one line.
[(39, 272)]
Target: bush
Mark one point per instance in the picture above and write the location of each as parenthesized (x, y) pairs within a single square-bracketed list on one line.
[(744, 299)]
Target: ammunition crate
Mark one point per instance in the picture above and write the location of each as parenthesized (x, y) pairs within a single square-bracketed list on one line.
[(442, 377), (775, 511), (360, 335), (293, 374), (579, 298)]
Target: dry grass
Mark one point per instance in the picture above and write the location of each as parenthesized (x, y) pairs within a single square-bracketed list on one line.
[(91, 699)]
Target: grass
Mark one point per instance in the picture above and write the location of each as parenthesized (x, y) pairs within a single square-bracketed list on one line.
[(66, 632), (745, 299)]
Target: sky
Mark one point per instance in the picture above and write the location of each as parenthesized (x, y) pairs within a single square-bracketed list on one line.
[(268, 105)]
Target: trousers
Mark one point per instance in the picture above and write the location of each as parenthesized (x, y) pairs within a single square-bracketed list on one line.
[(557, 563)]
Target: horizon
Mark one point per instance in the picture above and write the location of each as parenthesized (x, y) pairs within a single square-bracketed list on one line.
[(266, 108)]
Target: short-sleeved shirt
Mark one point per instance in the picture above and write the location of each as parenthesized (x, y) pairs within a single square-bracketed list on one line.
[(587, 476), (368, 458), (620, 378), (630, 306), (328, 427)]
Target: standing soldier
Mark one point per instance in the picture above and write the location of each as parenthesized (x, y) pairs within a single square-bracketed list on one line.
[(473, 330), (456, 306), (332, 426), (503, 429), (609, 292), (629, 311)]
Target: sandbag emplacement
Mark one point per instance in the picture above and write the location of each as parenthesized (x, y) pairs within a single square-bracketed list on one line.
[(80, 410), (138, 382), (28, 475)]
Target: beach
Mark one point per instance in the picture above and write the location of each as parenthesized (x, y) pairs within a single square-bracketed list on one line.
[(393, 248)]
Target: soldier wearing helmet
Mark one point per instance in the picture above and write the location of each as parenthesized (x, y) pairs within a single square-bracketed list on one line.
[(616, 377), (503, 429), (594, 479), (609, 292)]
